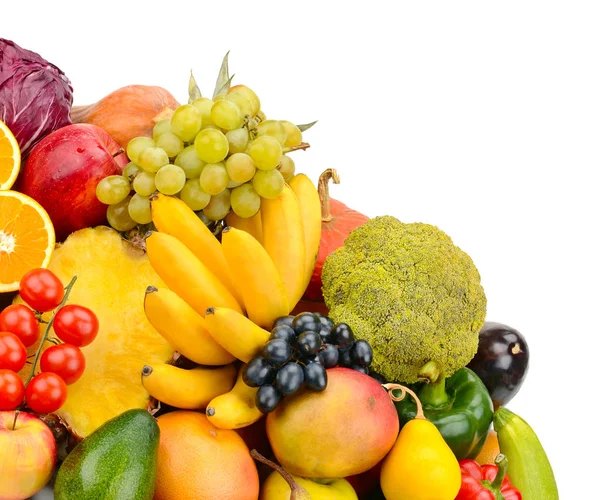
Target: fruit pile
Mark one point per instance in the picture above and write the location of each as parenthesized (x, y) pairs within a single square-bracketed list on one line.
[(233, 332)]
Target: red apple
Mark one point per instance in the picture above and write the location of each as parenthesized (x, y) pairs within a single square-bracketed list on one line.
[(62, 173), (27, 455)]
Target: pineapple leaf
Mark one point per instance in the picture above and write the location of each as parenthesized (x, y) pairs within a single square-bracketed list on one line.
[(223, 80), (306, 126), (193, 89)]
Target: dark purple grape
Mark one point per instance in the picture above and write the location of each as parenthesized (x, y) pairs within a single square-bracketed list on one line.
[(361, 369), (326, 321), (278, 351), (344, 359), (289, 378), (317, 358), (315, 377), (309, 343), (283, 320), (284, 332), (258, 371), (330, 355), (305, 322), (361, 353), (267, 398), (342, 336), (501, 361)]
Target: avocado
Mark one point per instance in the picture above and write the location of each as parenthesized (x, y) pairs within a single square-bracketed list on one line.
[(115, 462)]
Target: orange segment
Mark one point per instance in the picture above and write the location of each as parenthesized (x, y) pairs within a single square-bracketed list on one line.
[(10, 157), (26, 238)]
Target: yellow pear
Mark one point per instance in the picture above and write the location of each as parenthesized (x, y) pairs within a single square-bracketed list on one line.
[(420, 466)]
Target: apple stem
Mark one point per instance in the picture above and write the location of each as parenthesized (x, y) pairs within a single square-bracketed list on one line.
[(15, 420), (405, 390), (298, 492), (120, 152), (48, 326)]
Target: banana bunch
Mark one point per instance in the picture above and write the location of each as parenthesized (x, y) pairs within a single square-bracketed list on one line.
[(222, 298)]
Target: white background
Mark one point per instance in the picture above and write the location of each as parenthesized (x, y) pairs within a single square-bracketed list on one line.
[(481, 118)]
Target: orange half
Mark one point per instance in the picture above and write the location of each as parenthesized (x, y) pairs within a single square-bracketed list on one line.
[(26, 238), (10, 158)]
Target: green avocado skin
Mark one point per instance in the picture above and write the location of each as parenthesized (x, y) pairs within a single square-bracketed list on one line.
[(116, 462)]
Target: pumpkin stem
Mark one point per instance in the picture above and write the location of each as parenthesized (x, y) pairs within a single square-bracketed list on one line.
[(330, 173)]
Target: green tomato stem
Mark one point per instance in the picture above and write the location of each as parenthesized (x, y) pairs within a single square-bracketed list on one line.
[(48, 326)]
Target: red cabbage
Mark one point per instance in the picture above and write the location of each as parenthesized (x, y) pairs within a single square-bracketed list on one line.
[(35, 95)]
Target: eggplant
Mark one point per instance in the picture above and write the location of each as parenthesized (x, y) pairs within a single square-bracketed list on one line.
[(501, 362)]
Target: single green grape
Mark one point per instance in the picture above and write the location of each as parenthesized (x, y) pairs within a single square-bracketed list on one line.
[(219, 206), (233, 184), (265, 152), (190, 163), (242, 102), (287, 167), (112, 189), (214, 178), (211, 145), (161, 127), (186, 122), (238, 140), (143, 184), (139, 209), (152, 159), (204, 105), (130, 170), (118, 215), (226, 114), (268, 183), (170, 179), (172, 144), (293, 133), (249, 94), (245, 201), (240, 167), (272, 128), (193, 196), (136, 145)]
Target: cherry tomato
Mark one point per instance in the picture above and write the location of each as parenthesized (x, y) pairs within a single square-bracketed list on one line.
[(11, 390), (45, 393), (66, 360), (21, 321), (13, 354), (76, 325), (42, 290)]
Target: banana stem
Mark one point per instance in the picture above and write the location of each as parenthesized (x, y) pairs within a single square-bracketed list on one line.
[(323, 189), (405, 390)]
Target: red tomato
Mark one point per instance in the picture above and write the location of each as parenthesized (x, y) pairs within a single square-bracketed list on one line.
[(42, 290), (76, 325), (21, 321), (66, 360), (12, 352), (11, 390), (45, 393)]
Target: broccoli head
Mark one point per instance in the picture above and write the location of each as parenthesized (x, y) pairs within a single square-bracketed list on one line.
[(410, 292)]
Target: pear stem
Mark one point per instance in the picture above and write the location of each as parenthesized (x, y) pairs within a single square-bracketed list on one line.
[(405, 390), (323, 189), (298, 492)]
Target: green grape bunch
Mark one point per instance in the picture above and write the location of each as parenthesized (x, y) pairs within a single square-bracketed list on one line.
[(217, 155)]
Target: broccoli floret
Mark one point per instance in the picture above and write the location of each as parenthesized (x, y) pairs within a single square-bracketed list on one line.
[(410, 292)]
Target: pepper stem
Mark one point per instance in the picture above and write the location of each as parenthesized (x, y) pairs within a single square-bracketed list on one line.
[(405, 390), (502, 462), (433, 391), (323, 188)]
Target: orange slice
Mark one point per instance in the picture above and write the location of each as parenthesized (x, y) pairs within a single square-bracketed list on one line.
[(26, 238), (10, 157)]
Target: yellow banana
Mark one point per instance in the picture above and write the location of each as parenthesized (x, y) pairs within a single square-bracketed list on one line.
[(234, 409), (310, 208), (235, 332), (172, 216), (261, 287), (187, 389), (185, 275), (252, 225), (283, 239), (183, 328)]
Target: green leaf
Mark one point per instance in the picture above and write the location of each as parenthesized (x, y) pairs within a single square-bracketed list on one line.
[(223, 80), (306, 126), (193, 89)]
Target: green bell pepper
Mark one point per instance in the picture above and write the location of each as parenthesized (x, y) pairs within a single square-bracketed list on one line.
[(459, 406)]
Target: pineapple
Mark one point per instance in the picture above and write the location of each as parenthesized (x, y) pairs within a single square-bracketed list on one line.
[(112, 276)]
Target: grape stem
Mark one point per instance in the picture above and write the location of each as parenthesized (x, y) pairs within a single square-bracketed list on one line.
[(330, 173), (302, 146), (48, 326)]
